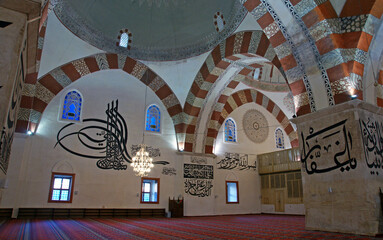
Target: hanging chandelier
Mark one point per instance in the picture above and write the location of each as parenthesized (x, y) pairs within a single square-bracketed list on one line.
[(142, 163)]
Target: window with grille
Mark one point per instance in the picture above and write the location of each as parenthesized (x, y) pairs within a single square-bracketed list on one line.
[(294, 185), (124, 40), (232, 195), (150, 190), (277, 181), (230, 131), (153, 119), (72, 106), (61, 189), (265, 181)]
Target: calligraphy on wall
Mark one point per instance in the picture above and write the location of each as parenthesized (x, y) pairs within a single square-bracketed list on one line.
[(105, 140), (153, 152), (169, 171), (328, 149), (198, 179), (198, 171), (198, 187), (236, 161), (372, 135), (199, 160)]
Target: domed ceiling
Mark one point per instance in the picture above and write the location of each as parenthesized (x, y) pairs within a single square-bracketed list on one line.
[(162, 30)]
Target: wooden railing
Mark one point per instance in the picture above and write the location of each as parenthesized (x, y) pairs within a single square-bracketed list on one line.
[(281, 161)]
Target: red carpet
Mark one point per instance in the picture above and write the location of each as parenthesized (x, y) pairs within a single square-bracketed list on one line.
[(220, 227)]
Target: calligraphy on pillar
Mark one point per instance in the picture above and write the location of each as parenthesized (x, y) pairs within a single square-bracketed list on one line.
[(198, 179), (372, 135), (328, 149), (236, 161), (9, 125)]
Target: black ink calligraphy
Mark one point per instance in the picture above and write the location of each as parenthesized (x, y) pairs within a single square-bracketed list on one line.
[(336, 141), (169, 171), (235, 161), (198, 187), (107, 140), (372, 136), (198, 171), (153, 152)]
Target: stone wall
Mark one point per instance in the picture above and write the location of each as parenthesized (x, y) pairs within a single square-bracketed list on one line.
[(341, 154)]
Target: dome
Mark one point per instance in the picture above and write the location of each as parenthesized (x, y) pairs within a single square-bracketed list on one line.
[(160, 30)]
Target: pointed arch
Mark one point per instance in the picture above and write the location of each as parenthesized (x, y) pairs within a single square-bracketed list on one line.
[(238, 46), (340, 43), (37, 95), (238, 99)]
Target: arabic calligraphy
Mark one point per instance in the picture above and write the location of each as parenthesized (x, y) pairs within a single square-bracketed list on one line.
[(199, 160), (198, 187), (7, 132), (331, 142), (169, 171), (235, 161), (372, 136), (153, 152), (198, 179), (106, 140), (198, 171)]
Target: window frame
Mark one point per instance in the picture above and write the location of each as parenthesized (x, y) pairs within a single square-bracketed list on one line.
[(279, 130), (235, 131), (159, 120), (227, 193), (62, 102), (158, 190), (54, 174)]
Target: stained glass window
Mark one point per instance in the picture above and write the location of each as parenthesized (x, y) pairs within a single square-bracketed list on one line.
[(279, 138), (124, 40), (153, 119), (72, 106), (230, 131)]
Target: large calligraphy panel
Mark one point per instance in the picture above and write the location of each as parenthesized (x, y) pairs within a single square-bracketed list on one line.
[(198, 171), (235, 161), (372, 135), (198, 179), (333, 142), (105, 140)]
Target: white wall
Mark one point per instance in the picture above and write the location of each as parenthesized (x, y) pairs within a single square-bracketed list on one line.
[(33, 158)]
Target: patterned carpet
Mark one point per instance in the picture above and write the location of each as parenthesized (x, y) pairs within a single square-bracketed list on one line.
[(219, 227)]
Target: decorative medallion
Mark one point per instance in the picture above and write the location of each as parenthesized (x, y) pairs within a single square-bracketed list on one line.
[(255, 126)]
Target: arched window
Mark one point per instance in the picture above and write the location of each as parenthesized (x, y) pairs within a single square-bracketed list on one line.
[(124, 40), (230, 131), (219, 21), (279, 142), (72, 106), (153, 119)]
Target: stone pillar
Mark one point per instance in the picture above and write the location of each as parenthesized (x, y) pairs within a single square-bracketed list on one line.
[(342, 168), (13, 36)]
